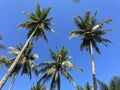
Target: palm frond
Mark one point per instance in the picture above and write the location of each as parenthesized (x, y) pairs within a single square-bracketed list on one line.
[(53, 54), (14, 51), (37, 10), (115, 83), (67, 75), (88, 17), (44, 70), (87, 86), (27, 25), (51, 70), (95, 46), (26, 69), (32, 16), (107, 20), (4, 61), (106, 41), (96, 13), (44, 36), (79, 88), (103, 86), (102, 32), (76, 68), (77, 33), (44, 78), (84, 45), (100, 24), (45, 12), (80, 23), (76, 20), (48, 63)]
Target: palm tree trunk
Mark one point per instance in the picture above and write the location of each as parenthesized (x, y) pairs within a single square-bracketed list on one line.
[(13, 80), (6, 76), (93, 67)]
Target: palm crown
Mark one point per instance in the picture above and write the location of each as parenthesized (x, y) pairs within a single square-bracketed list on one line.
[(25, 65), (26, 62), (90, 31), (38, 20), (60, 65)]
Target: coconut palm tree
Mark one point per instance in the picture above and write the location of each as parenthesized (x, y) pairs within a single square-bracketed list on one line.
[(37, 25), (114, 84), (25, 64), (91, 33), (59, 66)]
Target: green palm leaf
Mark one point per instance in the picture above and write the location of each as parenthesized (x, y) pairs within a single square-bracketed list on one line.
[(115, 83), (87, 86), (69, 77), (103, 86), (52, 70), (5, 61)]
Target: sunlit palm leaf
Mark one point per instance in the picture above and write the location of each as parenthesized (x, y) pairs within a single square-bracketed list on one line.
[(4, 61)]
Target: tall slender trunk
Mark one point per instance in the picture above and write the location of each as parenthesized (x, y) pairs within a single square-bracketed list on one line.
[(13, 80), (6, 76), (55, 80), (93, 67)]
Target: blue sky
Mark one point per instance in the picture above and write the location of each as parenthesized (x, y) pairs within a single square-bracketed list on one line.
[(107, 64)]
